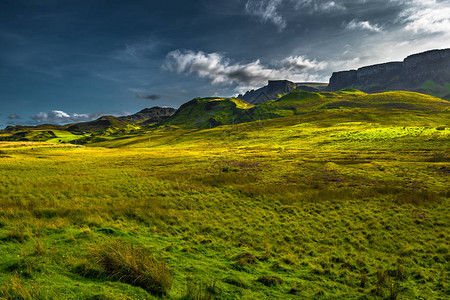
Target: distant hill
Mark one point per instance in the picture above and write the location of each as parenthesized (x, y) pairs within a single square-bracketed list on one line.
[(75, 131), (301, 102), (152, 115), (277, 88), (204, 113), (97, 125), (212, 112), (427, 72), (208, 112)]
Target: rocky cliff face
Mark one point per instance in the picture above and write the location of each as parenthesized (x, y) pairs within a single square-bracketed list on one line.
[(275, 88), (411, 74)]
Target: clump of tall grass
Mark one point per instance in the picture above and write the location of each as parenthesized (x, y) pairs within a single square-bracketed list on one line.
[(419, 197), (16, 234), (244, 260), (269, 280), (196, 290), (133, 265), (15, 289)]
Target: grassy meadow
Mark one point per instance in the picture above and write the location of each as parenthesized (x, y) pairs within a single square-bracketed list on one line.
[(345, 203)]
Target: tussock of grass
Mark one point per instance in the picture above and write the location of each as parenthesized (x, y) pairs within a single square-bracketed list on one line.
[(16, 234), (197, 290), (418, 197), (270, 280), (133, 265), (236, 281), (16, 289)]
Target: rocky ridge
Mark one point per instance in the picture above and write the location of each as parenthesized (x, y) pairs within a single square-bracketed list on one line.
[(410, 74), (276, 88)]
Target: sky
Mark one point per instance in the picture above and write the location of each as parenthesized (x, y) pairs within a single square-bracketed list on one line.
[(65, 61)]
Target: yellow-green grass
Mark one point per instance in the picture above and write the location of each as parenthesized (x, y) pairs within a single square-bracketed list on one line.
[(63, 136), (337, 204), (51, 136)]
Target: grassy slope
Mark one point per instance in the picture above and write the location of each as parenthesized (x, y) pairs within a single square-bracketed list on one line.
[(343, 203), (208, 112), (51, 136), (211, 112), (442, 91)]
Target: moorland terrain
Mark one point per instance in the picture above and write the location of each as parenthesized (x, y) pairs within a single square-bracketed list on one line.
[(333, 195)]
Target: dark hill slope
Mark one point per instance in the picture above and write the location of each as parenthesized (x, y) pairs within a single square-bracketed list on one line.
[(150, 115), (18, 128), (208, 112), (277, 88), (97, 125)]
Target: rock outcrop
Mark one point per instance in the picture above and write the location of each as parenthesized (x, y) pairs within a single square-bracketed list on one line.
[(410, 74), (275, 88)]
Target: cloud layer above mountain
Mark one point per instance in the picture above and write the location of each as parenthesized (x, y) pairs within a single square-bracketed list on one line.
[(221, 70)]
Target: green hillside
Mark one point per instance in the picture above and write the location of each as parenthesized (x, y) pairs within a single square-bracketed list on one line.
[(38, 135), (331, 203), (208, 112), (204, 113), (105, 126), (101, 123), (435, 89), (300, 101), (212, 112)]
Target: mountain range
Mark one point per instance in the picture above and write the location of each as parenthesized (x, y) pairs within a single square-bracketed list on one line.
[(427, 73), (277, 88)]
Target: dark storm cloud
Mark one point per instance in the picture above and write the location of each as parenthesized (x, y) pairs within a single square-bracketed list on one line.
[(149, 97)]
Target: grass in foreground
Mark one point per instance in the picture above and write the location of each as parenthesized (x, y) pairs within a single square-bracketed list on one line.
[(318, 207)]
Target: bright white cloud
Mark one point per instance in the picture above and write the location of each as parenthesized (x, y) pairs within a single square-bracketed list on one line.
[(318, 5), (363, 25), (328, 6), (267, 11), (426, 16), (220, 70), (301, 63)]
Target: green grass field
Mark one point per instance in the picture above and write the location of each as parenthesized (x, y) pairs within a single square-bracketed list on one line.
[(336, 203)]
